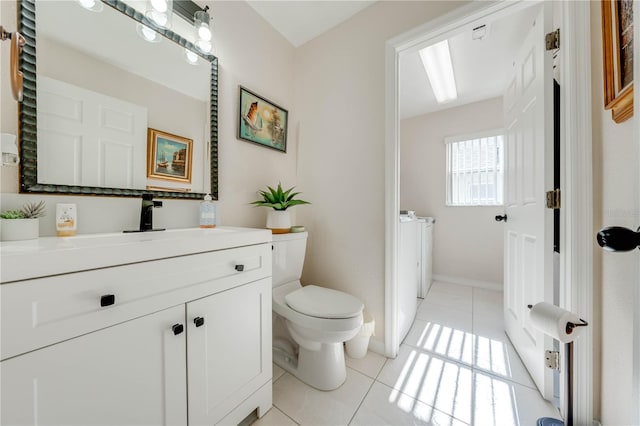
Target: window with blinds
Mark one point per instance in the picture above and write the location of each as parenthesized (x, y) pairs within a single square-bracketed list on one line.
[(475, 171)]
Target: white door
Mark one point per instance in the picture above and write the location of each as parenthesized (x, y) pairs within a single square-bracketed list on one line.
[(229, 349), (528, 266), (89, 139), (129, 374)]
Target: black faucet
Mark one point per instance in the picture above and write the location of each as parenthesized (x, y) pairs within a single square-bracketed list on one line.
[(146, 213)]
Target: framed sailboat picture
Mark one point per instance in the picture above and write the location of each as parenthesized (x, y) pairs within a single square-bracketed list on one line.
[(168, 156), (261, 121), (617, 44)]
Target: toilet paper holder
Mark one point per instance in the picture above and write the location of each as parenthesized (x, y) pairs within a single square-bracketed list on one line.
[(569, 381), (570, 325)]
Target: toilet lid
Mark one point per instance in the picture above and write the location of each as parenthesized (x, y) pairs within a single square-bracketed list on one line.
[(323, 302)]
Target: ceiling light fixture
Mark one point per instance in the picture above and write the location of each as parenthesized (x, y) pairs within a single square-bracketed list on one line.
[(203, 30), (436, 60), (159, 12)]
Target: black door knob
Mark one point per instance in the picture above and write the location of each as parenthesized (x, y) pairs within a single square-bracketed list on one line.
[(107, 300), (198, 321), (239, 268), (177, 329), (617, 238), (500, 218)]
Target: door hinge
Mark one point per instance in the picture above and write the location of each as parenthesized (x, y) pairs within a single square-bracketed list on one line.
[(552, 360), (552, 40), (553, 199)]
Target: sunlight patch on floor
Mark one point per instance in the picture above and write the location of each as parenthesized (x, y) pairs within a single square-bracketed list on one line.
[(445, 379), (444, 385), (447, 341), (495, 402)]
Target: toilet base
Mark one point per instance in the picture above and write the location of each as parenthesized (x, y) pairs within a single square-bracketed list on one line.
[(323, 369)]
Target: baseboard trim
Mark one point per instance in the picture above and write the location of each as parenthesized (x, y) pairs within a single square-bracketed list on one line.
[(377, 346), (468, 282)]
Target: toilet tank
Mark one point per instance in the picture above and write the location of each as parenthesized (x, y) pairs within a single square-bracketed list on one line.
[(288, 257)]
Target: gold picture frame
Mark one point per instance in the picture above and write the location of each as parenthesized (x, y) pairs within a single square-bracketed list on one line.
[(169, 156), (617, 52)]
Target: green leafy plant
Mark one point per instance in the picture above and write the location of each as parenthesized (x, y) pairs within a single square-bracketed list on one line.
[(278, 199), (29, 211)]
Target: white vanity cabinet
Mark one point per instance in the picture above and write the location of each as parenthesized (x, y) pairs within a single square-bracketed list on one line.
[(229, 354), (129, 374), (142, 336)]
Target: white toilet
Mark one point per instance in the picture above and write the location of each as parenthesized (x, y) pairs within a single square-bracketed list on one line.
[(310, 323)]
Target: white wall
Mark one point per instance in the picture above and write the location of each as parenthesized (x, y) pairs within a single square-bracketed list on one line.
[(467, 241), (251, 53), (615, 198), (340, 102)]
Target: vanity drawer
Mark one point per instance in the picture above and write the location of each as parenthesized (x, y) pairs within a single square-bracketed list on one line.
[(43, 311)]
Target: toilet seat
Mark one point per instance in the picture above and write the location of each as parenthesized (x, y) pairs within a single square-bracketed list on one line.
[(320, 302), (330, 325)]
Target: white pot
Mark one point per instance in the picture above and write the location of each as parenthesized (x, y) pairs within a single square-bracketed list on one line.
[(279, 221), (19, 229)]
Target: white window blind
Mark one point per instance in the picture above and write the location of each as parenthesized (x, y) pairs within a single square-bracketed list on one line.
[(475, 171)]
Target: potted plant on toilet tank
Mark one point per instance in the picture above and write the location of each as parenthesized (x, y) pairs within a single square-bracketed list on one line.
[(278, 219), (22, 224)]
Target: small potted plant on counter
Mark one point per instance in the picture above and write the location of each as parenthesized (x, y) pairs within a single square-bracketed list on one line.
[(278, 219), (21, 224)]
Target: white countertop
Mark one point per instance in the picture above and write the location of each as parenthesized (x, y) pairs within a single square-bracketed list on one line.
[(21, 260)]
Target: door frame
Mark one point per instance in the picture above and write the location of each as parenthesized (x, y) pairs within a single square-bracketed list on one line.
[(576, 274), (635, 416)]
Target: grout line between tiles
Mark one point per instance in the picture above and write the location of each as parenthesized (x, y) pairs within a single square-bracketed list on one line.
[(288, 416), (361, 401), (473, 359), (384, 364)]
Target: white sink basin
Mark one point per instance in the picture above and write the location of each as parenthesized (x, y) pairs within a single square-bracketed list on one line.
[(87, 240), (22, 260)]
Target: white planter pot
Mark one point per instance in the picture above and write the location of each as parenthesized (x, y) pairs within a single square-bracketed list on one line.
[(19, 229), (279, 221)]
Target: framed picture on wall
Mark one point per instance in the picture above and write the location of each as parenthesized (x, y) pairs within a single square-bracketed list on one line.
[(168, 156), (262, 121), (617, 44)]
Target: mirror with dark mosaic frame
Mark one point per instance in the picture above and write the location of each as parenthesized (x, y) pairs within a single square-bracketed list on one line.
[(32, 166)]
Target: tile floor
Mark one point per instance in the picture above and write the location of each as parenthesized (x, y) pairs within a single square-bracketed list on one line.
[(455, 367)]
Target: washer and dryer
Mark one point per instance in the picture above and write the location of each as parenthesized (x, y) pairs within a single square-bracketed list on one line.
[(415, 248)]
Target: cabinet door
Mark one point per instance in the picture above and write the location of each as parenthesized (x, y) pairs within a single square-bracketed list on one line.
[(129, 374), (229, 354)]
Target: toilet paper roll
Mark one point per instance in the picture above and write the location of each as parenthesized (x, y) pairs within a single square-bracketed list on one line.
[(553, 321)]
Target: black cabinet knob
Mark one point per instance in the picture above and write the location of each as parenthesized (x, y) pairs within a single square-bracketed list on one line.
[(239, 268), (177, 329), (500, 218), (107, 300), (617, 238), (198, 321)]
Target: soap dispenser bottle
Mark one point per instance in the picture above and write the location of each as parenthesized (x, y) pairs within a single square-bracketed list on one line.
[(207, 213)]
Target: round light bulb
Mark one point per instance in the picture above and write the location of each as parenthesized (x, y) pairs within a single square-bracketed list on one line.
[(204, 46), (148, 33), (160, 19), (192, 58), (159, 5), (204, 32), (87, 4)]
